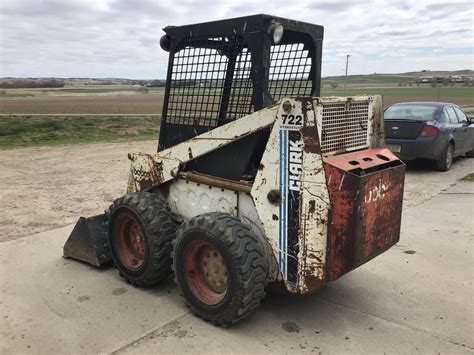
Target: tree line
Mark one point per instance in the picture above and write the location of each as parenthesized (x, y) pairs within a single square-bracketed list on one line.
[(31, 83)]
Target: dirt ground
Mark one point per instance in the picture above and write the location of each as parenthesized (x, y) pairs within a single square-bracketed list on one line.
[(46, 188), (49, 187), (151, 103)]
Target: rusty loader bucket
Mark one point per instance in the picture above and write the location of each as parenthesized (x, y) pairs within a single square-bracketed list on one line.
[(88, 241), (366, 192)]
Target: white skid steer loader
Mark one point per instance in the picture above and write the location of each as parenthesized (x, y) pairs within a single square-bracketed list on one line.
[(257, 180)]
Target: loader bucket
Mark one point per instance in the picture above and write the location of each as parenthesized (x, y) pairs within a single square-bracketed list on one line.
[(88, 241)]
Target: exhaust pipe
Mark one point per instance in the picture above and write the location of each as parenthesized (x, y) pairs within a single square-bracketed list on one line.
[(88, 241)]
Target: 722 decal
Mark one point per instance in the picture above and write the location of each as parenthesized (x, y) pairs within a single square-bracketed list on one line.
[(296, 120)]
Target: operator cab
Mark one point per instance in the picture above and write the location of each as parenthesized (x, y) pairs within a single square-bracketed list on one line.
[(223, 70)]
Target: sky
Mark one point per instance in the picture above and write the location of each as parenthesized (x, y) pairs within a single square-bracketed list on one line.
[(120, 38)]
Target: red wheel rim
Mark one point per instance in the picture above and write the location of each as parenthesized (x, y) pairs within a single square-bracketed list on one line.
[(129, 241), (205, 272)]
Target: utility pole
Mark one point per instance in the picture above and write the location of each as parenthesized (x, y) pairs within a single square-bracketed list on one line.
[(347, 67)]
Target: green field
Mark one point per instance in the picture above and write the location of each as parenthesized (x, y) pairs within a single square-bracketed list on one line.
[(104, 90), (115, 113), (368, 79), (35, 130), (432, 93)]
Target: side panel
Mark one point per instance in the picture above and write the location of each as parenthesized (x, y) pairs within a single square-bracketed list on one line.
[(291, 198), (189, 199)]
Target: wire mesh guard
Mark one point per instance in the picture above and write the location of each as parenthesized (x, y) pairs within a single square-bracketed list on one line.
[(344, 127), (210, 81), (290, 67)]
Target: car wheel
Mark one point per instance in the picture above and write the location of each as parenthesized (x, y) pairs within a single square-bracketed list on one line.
[(470, 154), (445, 162)]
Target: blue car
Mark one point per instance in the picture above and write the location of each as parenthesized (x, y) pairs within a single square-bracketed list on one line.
[(431, 130)]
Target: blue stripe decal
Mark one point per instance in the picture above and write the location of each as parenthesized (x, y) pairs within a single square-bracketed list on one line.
[(280, 242)]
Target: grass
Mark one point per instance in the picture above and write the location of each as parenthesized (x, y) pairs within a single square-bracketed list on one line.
[(9, 95), (367, 79), (30, 130), (469, 177), (104, 90)]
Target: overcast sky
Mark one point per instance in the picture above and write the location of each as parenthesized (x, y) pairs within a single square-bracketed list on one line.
[(119, 38)]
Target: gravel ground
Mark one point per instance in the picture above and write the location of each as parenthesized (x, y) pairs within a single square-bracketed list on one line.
[(50, 187)]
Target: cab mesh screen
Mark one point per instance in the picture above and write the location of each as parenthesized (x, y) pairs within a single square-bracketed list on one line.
[(210, 81), (290, 67)]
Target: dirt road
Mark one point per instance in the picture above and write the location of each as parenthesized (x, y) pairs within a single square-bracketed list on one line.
[(50, 187)]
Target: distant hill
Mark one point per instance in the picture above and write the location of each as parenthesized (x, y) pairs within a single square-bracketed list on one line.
[(364, 80), (400, 79), (396, 78), (443, 73)]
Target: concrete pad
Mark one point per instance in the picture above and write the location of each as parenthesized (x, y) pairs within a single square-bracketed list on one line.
[(52, 305), (417, 297), (422, 182)]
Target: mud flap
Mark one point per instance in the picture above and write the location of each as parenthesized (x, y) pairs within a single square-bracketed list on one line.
[(88, 241)]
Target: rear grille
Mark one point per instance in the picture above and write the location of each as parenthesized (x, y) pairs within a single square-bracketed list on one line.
[(344, 126)]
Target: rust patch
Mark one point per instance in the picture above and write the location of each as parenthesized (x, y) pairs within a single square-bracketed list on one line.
[(310, 139), (190, 153), (312, 206), (312, 282), (309, 133), (217, 182), (261, 167), (147, 173), (274, 196), (275, 217), (366, 206)]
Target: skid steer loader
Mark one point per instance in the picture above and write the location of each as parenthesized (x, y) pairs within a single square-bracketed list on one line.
[(257, 180)]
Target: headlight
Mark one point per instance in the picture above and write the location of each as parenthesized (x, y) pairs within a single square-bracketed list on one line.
[(276, 31)]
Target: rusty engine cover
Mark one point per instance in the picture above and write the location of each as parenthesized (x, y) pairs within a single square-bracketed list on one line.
[(366, 193)]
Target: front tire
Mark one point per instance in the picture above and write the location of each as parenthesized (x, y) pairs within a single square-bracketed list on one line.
[(446, 161), (220, 267), (140, 231)]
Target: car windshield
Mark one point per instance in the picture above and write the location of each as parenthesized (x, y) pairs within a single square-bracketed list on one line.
[(410, 112)]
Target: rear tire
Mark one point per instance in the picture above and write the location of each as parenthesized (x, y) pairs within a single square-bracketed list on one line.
[(446, 161), (220, 267), (470, 154), (140, 231)]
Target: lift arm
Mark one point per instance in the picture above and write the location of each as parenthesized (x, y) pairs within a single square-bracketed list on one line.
[(151, 170)]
